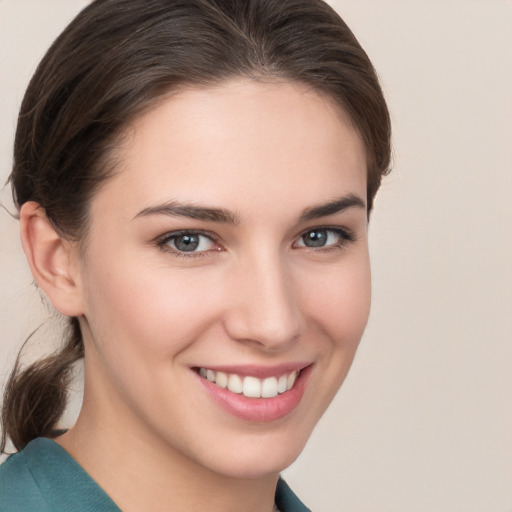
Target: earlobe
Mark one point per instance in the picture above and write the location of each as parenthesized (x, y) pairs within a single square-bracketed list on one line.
[(52, 260)]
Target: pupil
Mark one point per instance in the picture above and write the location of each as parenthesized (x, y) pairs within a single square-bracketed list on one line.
[(315, 238), (187, 242)]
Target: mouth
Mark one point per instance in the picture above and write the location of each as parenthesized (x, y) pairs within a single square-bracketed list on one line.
[(250, 385), (256, 394)]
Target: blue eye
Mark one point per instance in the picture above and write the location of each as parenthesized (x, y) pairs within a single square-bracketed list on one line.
[(324, 237), (187, 242)]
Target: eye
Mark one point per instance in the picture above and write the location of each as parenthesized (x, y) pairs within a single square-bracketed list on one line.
[(324, 238), (191, 242)]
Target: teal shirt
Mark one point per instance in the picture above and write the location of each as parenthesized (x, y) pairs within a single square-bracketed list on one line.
[(43, 477)]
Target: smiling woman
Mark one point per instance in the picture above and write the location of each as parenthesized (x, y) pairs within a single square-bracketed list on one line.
[(194, 181)]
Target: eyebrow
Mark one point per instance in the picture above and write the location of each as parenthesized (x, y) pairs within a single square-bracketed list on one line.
[(221, 215), (332, 207), (175, 209)]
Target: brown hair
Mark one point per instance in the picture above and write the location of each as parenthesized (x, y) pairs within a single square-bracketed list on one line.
[(111, 64)]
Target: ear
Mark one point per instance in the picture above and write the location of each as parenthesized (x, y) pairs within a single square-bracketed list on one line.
[(53, 260)]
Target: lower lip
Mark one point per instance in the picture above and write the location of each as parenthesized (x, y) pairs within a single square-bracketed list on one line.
[(259, 410)]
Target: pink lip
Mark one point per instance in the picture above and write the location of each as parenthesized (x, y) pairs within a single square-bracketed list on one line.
[(259, 409)]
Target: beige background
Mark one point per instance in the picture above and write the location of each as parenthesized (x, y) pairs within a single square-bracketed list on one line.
[(424, 421)]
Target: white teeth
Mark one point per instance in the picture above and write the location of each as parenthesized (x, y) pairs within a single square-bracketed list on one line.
[(235, 383), (222, 379), (290, 381), (251, 387), (269, 388), (281, 385)]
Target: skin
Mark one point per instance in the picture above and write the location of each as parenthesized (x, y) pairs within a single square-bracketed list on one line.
[(148, 432)]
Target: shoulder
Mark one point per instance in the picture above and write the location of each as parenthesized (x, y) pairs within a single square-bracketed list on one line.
[(18, 487), (43, 477)]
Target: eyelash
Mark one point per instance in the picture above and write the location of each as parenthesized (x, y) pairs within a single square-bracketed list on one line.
[(345, 237)]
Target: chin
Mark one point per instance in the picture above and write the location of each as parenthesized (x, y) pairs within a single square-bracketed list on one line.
[(256, 455), (254, 466)]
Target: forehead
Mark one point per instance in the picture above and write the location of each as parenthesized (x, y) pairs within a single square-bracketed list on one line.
[(239, 143)]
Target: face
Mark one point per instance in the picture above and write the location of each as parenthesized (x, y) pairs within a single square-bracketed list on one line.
[(226, 275)]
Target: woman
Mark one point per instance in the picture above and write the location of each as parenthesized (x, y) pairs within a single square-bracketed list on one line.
[(194, 180)]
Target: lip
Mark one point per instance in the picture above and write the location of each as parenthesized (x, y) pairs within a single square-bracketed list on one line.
[(259, 410)]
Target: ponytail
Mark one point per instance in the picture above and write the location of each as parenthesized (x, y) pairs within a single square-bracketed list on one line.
[(35, 397)]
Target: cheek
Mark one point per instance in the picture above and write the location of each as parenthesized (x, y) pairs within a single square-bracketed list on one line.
[(339, 301), (338, 312), (151, 313)]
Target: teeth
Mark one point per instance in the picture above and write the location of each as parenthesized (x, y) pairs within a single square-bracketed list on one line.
[(222, 380), (290, 381), (281, 385), (235, 383), (251, 387), (269, 388)]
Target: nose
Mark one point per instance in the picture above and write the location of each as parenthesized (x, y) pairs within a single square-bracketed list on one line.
[(265, 309)]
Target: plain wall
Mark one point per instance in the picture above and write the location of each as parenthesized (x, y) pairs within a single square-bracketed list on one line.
[(424, 421)]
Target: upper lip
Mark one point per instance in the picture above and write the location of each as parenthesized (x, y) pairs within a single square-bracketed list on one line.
[(259, 371)]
